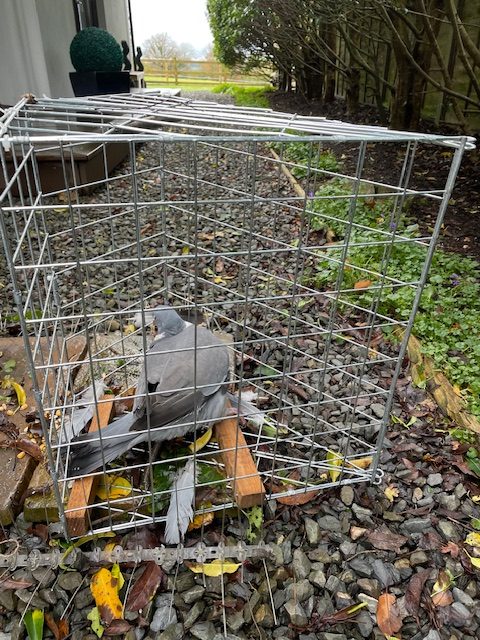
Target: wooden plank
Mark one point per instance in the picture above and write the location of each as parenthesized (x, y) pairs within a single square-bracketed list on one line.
[(248, 488), (83, 490), (16, 473)]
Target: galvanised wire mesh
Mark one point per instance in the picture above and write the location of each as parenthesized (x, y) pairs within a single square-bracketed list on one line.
[(201, 213)]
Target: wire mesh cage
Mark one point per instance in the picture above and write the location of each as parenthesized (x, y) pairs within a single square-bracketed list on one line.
[(111, 206)]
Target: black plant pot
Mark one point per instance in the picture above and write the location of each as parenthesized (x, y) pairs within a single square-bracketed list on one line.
[(95, 83)]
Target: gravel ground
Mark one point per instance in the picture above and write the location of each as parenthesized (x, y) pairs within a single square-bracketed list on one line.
[(350, 544)]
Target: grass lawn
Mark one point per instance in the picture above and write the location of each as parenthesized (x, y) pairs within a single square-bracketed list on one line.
[(244, 95)]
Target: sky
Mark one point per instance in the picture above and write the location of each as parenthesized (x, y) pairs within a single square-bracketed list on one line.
[(183, 20)]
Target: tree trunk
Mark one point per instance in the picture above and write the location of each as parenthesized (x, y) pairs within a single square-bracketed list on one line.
[(407, 102), (353, 90), (330, 72)]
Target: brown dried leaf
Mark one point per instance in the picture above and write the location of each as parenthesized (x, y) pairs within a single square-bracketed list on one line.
[(10, 583), (362, 284), (143, 537), (59, 629), (414, 590), (452, 548), (441, 594), (117, 628), (145, 587), (385, 539), (388, 616), (31, 448), (40, 530), (299, 498)]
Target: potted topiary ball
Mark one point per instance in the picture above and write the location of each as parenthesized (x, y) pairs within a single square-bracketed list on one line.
[(97, 58)]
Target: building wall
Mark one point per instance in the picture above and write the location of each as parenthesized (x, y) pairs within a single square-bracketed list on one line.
[(57, 25), (116, 19), (23, 68), (35, 38)]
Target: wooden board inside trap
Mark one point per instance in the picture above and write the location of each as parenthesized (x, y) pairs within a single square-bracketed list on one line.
[(248, 488)]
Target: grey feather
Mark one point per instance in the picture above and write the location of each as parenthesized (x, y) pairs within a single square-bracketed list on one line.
[(246, 409), (82, 411), (180, 509)]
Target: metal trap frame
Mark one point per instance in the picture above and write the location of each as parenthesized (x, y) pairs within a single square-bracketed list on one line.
[(201, 214)]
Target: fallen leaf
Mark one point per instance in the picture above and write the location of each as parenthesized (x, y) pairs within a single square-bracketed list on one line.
[(40, 530), (202, 519), (360, 463), (343, 614), (33, 622), (388, 616), (59, 629), (104, 587), (334, 459), (215, 568), (21, 395), (473, 539), (362, 284), (298, 498), (29, 447), (117, 574), (201, 442), (385, 539), (145, 587), (94, 617), (128, 329), (11, 583), (117, 628), (452, 548), (113, 488), (391, 492), (143, 537), (441, 594), (414, 590), (475, 561)]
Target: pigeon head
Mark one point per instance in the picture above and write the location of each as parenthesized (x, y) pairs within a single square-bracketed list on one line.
[(168, 322)]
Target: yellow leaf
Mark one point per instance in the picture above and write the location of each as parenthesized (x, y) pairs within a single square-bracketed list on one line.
[(185, 251), (201, 520), (391, 492), (94, 617), (20, 391), (215, 568), (473, 539), (130, 328), (476, 498), (201, 442), (475, 561), (116, 573), (113, 487), (335, 460), (110, 546), (441, 596), (360, 463), (104, 587)]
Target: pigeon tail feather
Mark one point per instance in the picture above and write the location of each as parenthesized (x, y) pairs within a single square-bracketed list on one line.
[(90, 456), (180, 509)]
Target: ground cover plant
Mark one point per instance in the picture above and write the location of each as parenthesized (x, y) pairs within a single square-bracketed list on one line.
[(447, 320)]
